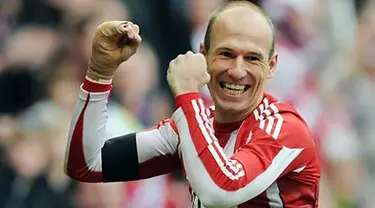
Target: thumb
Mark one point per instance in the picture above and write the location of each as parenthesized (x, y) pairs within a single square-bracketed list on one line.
[(206, 79)]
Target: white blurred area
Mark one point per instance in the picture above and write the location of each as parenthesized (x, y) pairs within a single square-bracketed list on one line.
[(326, 70)]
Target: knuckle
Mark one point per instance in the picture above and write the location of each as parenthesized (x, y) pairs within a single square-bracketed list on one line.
[(136, 28), (171, 63), (190, 54)]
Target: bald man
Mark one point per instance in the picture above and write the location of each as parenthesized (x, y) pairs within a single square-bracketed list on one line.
[(248, 150)]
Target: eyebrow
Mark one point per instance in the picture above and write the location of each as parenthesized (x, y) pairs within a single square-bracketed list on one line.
[(250, 53)]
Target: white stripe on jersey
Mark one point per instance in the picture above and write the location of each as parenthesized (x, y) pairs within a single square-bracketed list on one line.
[(229, 147), (207, 132), (229, 151), (269, 125), (279, 123), (233, 164), (272, 122)]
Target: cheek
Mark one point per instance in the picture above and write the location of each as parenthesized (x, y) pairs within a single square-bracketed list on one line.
[(256, 78), (217, 66), (216, 69), (260, 75)]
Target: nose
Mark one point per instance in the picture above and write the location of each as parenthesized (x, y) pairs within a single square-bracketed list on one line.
[(237, 70)]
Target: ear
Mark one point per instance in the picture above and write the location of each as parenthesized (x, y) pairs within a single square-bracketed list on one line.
[(272, 65), (202, 50)]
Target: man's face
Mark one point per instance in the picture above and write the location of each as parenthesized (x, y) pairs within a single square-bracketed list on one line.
[(238, 59)]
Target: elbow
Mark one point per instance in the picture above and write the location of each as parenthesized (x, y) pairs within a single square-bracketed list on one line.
[(211, 203), (69, 169), (215, 197), (74, 176), (81, 173), (212, 199), (66, 171), (72, 173)]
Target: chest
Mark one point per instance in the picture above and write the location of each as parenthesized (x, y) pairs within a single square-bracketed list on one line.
[(232, 141), (229, 141)]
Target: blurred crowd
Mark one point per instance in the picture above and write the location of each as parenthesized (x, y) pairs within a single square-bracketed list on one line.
[(326, 70)]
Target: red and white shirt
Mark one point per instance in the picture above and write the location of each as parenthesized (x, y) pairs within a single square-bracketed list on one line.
[(267, 160)]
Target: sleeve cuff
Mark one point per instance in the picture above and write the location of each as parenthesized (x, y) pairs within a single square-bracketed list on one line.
[(90, 86), (186, 98)]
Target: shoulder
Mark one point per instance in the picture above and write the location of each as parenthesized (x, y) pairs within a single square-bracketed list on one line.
[(281, 122)]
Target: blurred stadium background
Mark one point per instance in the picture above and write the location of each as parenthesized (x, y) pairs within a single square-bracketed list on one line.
[(326, 70)]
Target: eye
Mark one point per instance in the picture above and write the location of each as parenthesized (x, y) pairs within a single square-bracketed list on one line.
[(226, 54), (251, 58)]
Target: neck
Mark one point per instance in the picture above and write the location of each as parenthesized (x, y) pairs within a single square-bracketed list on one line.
[(225, 116)]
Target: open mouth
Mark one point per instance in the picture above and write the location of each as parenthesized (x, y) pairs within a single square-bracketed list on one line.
[(234, 89)]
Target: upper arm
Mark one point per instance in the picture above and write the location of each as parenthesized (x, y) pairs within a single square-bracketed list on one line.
[(141, 155), (266, 149), (265, 158), (158, 149)]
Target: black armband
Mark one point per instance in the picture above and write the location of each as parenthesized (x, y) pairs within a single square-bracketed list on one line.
[(120, 159)]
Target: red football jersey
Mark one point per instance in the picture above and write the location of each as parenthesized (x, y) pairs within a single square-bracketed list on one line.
[(267, 160)]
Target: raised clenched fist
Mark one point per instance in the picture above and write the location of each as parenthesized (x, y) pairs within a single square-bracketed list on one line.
[(187, 73), (114, 42)]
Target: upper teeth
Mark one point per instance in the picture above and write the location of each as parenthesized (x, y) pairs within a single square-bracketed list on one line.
[(234, 86)]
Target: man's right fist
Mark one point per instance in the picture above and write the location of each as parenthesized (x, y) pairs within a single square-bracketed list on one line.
[(114, 42)]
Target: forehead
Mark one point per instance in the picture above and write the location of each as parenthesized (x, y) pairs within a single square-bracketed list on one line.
[(242, 28)]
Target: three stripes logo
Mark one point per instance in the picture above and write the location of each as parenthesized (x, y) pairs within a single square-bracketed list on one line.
[(270, 119)]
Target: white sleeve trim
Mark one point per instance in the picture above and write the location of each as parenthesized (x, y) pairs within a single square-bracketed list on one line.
[(94, 96)]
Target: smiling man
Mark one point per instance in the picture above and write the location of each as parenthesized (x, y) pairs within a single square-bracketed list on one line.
[(248, 150), (237, 45)]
